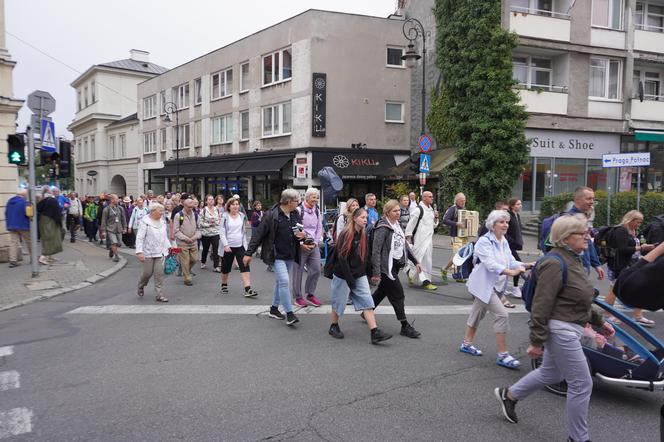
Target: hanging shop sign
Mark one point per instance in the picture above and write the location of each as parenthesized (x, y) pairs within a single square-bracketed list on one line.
[(319, 101)]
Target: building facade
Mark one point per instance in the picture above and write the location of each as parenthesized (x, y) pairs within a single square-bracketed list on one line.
[(270, 110), (105, 127), (9, 108), (590, 76)]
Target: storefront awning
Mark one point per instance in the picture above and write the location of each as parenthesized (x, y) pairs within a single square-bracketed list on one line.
[(649, 135), (360, 164), (226, 167), (263, 166), (170, 170)]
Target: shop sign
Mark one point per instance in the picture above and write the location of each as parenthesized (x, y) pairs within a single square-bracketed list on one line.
[(319, 101), (355, 165), (567, 144)]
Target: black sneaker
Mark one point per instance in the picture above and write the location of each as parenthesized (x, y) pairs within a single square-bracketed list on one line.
[(336, 332), (251, 293), (291, 318), (377, 335), (275, 313), (13, 264), (409, 331), (507, 404)]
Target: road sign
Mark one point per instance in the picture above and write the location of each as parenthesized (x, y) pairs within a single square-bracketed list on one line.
[(41, 102), (48, 136), (424, 143), (425, 162), (423, 180), (35, 122), (626, 159)]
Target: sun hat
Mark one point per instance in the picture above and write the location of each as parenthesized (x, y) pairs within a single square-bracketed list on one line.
[(463, 254)]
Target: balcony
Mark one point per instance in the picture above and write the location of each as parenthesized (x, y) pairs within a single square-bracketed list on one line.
[(545, 99), (650, 109), (538, 23), (650, 40)]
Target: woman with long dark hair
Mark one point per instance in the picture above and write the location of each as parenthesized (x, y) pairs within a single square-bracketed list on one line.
[(350, 276)]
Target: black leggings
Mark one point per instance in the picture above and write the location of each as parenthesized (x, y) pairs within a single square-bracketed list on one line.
[(236, 253), (393, 290), (515, 254), (207, 242)]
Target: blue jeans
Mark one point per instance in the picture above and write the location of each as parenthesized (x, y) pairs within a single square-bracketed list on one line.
[(282, 293)]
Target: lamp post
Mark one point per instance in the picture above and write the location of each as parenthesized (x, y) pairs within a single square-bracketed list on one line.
[(171, 108), (412, 30)]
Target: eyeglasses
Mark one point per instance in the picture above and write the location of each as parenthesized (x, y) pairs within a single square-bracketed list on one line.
[(581, 233)]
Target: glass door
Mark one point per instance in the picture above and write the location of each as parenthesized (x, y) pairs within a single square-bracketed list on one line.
[(544, 180)]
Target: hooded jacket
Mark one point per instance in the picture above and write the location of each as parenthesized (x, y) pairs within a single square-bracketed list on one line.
[(15, 216), (382, 245)]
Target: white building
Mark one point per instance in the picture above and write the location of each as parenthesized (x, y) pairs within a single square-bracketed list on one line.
[(105, 126)]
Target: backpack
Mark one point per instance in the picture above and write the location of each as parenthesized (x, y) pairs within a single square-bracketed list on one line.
[(545, 231), (419, 218), (528, 290), (604, 244), (181, 215), (466, 268), (654, 232)]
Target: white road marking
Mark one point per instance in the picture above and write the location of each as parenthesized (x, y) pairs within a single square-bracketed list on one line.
[(14, 422), (258, 309), (6, 351), (9, 380)]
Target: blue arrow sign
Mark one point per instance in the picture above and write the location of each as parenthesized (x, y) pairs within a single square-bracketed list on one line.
[(425, 162), (48, 136)]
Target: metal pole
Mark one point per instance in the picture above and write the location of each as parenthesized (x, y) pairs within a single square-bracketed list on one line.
[(608, 198), (177, 152), (34, 264), (638, 188), (424, 70)]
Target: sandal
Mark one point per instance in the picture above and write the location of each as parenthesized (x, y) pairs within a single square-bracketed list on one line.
[(508, 361), (508, 304), (161, 298)]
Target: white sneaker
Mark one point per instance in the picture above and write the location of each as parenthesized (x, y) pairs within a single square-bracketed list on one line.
[(516, 292)]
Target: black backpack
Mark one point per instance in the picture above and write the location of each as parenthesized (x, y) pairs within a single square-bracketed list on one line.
[(528, 290), (605, 245), (654, 232)]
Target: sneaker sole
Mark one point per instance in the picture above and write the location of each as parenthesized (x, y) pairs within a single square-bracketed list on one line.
[(250, 295), (312, 304), (376, 341), (496, 393), (292, 322), (275, 317), (413, 336), (469, 352)]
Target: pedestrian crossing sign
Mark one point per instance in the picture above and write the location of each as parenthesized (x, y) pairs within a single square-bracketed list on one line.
[(425, 162), (48, 136)]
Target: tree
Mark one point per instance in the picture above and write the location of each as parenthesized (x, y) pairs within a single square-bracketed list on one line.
[(477, 110)]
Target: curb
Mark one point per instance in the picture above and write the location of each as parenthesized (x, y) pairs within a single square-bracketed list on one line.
[(61, 291)]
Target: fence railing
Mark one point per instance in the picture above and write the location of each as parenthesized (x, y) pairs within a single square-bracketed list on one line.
[(542, 12)]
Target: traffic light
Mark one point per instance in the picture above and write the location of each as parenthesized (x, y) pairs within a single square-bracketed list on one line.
[(414, 164), (65, 159), (16, 151)]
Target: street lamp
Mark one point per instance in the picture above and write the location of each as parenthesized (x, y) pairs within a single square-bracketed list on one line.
[(171, 108), (412, 30)]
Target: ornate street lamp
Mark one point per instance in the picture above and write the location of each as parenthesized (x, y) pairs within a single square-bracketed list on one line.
[(412, 30), (171, 108)]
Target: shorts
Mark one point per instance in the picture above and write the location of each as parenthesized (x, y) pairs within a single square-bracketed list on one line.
[(457, 243), (361, 295), (113, 238), (236, 253)]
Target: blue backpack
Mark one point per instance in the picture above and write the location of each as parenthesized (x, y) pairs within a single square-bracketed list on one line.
[(528, 290)]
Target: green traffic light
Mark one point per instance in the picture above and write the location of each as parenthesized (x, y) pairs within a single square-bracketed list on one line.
[(15, 158)]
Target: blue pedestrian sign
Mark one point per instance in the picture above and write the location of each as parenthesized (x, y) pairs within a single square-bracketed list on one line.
[(425, 162), (424, 143), (48, 136)]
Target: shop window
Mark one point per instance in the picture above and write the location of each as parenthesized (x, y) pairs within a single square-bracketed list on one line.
[(607, 14), (605, 78)]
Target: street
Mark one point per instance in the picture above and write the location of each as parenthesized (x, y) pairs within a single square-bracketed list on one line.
[(98, 364)]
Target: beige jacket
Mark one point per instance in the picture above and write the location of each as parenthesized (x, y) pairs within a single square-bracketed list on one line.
[(185, 226)]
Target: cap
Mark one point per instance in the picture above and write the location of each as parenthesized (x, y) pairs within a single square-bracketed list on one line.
[(463, 254), (126, 199)]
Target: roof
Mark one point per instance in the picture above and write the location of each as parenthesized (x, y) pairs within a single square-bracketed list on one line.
[(124, 120), (133, 65)]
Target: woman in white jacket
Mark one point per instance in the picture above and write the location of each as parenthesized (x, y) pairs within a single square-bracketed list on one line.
[(232, 245), (152, 246)]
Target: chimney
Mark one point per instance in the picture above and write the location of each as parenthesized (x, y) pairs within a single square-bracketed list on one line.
[(138, 55)]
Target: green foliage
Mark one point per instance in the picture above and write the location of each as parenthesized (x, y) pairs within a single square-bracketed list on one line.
[(477, 111), (398, 189)]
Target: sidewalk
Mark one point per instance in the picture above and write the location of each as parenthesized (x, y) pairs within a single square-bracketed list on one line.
[(79, 265), (529, 243)]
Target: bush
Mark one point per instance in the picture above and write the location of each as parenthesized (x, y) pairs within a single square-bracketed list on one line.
[(652, 204)]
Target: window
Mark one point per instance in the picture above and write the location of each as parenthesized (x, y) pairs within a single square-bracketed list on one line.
[(111, 144), (222, 84), (532, 71), (277, 120), (605, 78), (150, 107), (92, 92), (244, 77), (539, 7), (162, 136), (607, 13), (162, 102), (150, 142), (277, 66), (93, 152), (198, 97), (649, 17), (123, 146), (197, 133), (181, 136), (393, 112), (651, 82), (244, 125), (222, 129), (181, 96), (85, 95), (394, 57), (86, 154), (80, 103)]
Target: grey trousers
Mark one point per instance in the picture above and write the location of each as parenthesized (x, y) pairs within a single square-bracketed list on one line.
[(563, 359), (310, 258), (501, 322), (153, 267)]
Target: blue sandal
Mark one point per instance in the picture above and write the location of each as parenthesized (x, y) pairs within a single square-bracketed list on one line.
[(508, 361), (470, 349)]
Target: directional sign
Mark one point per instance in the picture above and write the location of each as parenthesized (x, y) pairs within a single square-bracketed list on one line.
[(48, 136), (424, 143), (626, 159), (425, 162), (41, 102)]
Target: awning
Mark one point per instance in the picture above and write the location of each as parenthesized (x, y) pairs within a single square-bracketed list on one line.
[(169, 170), (649, 135), (355, 164), (226, 167), (218, 168), (262, 166), (440, 159)]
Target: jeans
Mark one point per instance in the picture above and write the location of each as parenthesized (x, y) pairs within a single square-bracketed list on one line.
[(361, 295), (282, 294), (310, 258)]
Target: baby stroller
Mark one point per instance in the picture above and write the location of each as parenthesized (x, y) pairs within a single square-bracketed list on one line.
[(636, 363)]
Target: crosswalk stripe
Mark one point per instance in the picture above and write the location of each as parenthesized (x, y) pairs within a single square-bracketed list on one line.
[(9, 380), (258, 309), (14, 422), (6, 351)]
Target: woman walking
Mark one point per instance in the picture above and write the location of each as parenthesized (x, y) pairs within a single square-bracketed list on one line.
[(138, 212), (209, 221), (312, 222), (486, 282), (558, 315), (219, 204), (350, 277), (389, 254), (232, 245), (351, 206), (514, 237), (50, 226), (152, 244), (90, 218)]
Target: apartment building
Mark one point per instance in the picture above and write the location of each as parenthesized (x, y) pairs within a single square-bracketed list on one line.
[(270, 110), (105, 127), (590, 75)]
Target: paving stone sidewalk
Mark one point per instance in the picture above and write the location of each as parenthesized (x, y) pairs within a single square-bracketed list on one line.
[(79, 265)]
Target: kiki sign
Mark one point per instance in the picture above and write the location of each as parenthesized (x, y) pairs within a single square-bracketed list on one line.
[(565, 144), (319, 101)]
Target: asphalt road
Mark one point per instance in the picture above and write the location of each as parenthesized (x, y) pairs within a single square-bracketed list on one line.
[(137, 376)]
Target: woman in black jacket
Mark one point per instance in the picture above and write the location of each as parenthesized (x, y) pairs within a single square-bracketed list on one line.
[(514, 236), (350, 277)]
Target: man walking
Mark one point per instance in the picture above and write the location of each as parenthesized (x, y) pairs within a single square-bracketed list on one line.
[(370, 207), (419, 233), (412, 201), (74, 214), (113, 225), (451, 220), (18, 225), (185, 226)]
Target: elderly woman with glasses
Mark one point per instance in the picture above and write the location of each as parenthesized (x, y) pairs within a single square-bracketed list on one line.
[(558, 315)]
